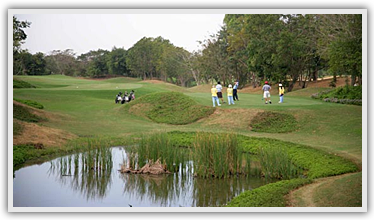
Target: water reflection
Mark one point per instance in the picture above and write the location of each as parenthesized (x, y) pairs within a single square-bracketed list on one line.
[(67, 181), (92, 182), (184, 189)]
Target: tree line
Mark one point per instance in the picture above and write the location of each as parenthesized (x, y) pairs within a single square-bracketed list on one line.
[(251, 48)]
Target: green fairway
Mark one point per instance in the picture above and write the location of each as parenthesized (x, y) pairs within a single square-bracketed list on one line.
[(86, 108)]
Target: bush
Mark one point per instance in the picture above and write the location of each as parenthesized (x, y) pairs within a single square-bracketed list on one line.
[(344, 95), (273, 122), (172, 108), (30, 103), (270, 195)]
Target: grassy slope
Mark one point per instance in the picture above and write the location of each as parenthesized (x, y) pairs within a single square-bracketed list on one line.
[(90, 110)]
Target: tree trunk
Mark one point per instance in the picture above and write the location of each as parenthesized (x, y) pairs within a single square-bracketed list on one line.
[(353, 80)]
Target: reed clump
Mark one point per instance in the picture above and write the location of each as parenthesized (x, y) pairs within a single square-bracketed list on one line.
[(218, 156), (156, 147), (276, 163), (93, 155)]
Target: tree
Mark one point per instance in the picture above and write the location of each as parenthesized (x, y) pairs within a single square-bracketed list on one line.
[(140, 58), (97, 66), (19, 36), (62, 62), (33, 64), (341, 44), (117, 62)]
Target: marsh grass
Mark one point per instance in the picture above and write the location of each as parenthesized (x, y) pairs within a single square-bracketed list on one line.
[(211, 155), (218, 156), (275, 163), (156, 147), (94, 155)]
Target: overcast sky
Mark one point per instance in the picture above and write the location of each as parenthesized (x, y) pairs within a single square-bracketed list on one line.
[(85, 32)]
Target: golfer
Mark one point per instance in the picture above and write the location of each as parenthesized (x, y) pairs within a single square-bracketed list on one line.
[(281, 93), (214, 96), (229, 95), (219, 91), (235, 88), (266, 89)]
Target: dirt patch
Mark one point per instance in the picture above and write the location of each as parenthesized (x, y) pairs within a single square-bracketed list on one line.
[(320, 83), (155, 168), (153, 81), (303, 196), (35, 134), (230, 119)]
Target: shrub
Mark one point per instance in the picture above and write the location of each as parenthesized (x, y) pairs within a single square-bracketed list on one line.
[(344, 95), (172, 108), (30, 103), (273, 122)]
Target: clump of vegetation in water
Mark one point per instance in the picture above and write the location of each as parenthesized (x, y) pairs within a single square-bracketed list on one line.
[(219, 156), (96, 156), (153, 148)]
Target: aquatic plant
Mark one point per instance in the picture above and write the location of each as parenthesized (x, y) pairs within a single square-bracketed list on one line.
[(275, 163), (156, 147), (219, 156)]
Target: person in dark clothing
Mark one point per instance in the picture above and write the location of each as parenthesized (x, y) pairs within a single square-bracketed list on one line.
[(235, 89)]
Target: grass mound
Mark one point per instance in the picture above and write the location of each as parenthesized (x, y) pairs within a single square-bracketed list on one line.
[(273, 122), (24, 114), (171, 108), (19, 84), (30, 103)]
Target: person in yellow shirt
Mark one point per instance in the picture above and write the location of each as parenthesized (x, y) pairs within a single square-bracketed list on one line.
[(281, 93), (214, 96), (230, 98)]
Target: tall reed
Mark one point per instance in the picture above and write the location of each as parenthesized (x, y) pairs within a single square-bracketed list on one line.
[(96, 156), (219, 156), (156, 147), (275, 163), (90, 170)]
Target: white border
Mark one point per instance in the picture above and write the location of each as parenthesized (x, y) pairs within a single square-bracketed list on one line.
[(11, 12)]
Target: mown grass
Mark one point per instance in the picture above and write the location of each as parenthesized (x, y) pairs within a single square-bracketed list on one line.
[(90, 111)]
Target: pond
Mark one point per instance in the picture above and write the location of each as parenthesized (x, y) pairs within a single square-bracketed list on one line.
[(45, 185)]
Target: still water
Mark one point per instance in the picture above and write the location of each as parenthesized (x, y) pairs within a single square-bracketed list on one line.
[(45, 186)]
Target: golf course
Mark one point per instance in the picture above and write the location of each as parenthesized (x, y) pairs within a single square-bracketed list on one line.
[(56, 116)]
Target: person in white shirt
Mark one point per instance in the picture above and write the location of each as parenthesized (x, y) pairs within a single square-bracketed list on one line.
[(266, 88), (219, 91)]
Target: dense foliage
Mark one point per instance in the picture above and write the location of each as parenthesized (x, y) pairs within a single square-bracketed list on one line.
[(344, 95), (251, 48)]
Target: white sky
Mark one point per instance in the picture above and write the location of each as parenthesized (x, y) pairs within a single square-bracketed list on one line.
[(93, 29), (85, 32)]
